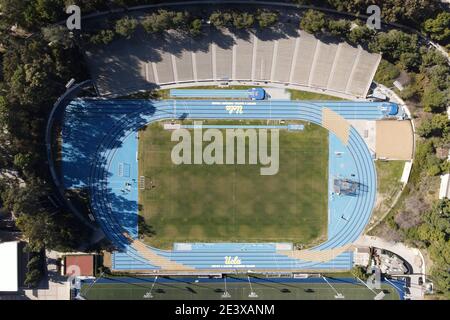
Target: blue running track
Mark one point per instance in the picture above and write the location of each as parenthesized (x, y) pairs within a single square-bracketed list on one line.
[(100, 154)]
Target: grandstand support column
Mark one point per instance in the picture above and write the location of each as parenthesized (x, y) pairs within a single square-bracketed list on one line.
[(294, 59), (352, 73), (194, 66), (155, 72), (255, 45), (214, 61), (333, 67), (174, 68), (314, 63), (274, 60), (233, 62), (147, 65)]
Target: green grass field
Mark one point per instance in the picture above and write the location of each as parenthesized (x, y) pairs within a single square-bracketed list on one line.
[(217, 203), (267, 290), (305, 95), (388, 185)]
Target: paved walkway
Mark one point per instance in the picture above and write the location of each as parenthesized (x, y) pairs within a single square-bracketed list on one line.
[(56, 286)]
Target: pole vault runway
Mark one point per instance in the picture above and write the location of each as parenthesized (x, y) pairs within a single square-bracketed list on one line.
[(114, 198)]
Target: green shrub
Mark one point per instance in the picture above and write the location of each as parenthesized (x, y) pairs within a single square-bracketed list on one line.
[(195, 27), (360, 35), (386, 73), (313, 22), (266, 18), (243, 20), (439, 27), (126, 27), (360, 272), (221, 19), (339, 28), (103, 37)]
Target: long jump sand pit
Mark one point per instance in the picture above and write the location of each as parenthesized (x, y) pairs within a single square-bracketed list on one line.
[(395, 140)]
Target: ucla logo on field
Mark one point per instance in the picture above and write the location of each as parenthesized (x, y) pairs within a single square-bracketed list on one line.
[(234, 109), (232, 260)]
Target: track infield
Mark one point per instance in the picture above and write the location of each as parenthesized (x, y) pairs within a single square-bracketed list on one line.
[(223, 203)]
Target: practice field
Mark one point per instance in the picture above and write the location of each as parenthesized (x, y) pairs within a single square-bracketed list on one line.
[(266, 289), (217, 203)]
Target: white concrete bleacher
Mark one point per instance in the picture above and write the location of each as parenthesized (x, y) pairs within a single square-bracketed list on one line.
[(301, 62)]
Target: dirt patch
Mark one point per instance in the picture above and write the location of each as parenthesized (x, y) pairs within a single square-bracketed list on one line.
[(395, 140)]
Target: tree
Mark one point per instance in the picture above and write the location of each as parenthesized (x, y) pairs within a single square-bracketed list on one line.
[(433, 99), (437, 126), (58, 35), (266, 18), (360, 272), (33, 277), (434, 232), (391, 10), (243, 20), (23, 162), (126, 26), (221, 19), (313, 22), (439, 76), (439, 27), (103, 37), (195, 27), (431, 57), (338, 28), (12, 12), (394, 44), (35, 262), (180, 19), (386, 73), (409, 60), (159, 21), (361, 35)]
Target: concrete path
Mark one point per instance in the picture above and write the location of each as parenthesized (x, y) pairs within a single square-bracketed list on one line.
[(56, 287)]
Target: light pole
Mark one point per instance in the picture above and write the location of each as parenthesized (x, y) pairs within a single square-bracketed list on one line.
[(149, 295), (90, 286), (337, 295), (252, 293), (378, 296), (225, 294)]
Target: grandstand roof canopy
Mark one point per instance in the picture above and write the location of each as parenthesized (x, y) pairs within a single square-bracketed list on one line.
[(9, 281)]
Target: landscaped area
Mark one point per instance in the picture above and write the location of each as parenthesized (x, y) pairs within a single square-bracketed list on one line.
[(219, 203)]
